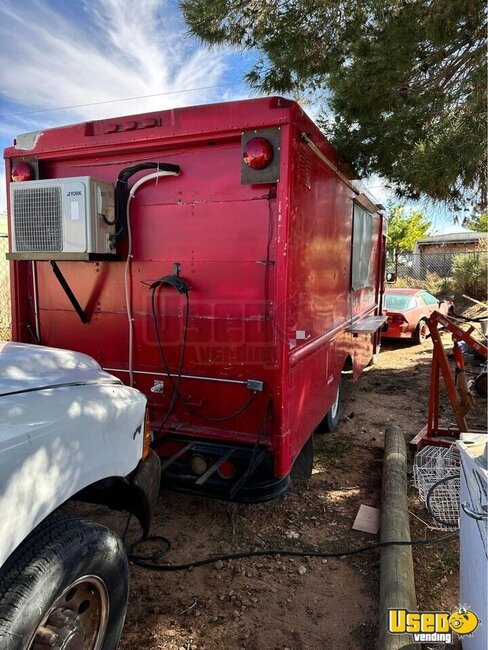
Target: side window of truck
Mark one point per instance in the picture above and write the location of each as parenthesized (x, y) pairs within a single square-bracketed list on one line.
[(362, 244)]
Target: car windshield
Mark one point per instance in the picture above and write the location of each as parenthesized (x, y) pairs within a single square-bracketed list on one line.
[(399, 301)]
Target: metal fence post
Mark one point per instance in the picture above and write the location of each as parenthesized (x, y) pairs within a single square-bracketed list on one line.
[(5, 307)]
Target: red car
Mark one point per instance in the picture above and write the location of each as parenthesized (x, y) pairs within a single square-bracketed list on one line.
[(407, 311)]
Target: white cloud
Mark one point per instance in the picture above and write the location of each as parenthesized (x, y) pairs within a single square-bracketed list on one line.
[(117, 48), (95, 51)]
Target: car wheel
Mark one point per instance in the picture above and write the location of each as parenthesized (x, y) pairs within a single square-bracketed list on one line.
[(421, 333), (65, 586), (331, 420)]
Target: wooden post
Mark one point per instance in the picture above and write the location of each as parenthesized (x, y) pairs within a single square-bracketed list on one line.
[(397, 587)]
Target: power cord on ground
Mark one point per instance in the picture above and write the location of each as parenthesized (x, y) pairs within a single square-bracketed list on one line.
[(152, 562)]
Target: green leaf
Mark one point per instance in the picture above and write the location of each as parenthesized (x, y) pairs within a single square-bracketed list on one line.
[(406, 81)]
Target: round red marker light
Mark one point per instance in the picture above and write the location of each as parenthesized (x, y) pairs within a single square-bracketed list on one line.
[(22, 171), (258, 153), (227, 469)]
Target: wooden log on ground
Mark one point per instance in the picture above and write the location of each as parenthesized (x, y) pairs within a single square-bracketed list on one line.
[(397, 586)]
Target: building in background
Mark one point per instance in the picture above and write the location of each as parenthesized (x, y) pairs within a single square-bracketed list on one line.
[(436, 254)]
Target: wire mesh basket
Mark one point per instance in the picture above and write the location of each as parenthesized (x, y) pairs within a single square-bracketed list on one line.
[(436, 472)]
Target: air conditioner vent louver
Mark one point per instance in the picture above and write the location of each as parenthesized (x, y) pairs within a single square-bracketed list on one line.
[(38, 219)]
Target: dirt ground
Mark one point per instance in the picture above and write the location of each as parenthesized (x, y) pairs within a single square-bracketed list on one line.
[(299, 604)]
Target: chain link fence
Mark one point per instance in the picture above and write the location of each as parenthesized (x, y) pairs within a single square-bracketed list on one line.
[(5, 312), (443, 272)]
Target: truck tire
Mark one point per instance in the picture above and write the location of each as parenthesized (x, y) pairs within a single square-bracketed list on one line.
[(65, 586), (331, 420)]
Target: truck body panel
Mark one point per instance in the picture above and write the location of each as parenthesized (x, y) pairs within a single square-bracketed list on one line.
[(270, 266)]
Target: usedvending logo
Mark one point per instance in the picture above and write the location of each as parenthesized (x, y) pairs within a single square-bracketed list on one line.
[(432, 627)]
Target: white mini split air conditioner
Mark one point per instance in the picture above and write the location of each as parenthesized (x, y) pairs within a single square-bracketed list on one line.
[(62, 218)]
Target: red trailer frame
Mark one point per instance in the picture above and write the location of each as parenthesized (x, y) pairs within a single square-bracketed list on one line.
[(456, 386), (285, 266)]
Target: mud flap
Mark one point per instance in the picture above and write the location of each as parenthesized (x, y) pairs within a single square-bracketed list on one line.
[(303, 465), (137, 493)]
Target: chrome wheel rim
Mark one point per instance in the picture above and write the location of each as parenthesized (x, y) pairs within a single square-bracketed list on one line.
[(77, 620)]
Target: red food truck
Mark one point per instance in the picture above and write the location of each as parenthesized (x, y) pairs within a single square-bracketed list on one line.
[(216, 257)]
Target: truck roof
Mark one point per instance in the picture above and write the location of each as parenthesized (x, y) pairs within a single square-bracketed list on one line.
[(178, 124)]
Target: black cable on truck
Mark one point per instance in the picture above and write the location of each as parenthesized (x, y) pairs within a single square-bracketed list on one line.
[(122, 191), (182, 287), (222, 418)]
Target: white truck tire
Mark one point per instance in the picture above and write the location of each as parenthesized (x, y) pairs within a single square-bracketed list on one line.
[(65, 586)]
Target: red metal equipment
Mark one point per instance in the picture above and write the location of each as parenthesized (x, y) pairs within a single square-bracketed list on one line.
[(456, 386), (253, 277)]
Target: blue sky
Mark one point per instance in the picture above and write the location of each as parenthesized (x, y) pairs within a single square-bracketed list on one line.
[(58, 53)]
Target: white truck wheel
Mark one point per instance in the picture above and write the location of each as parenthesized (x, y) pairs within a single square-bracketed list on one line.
[(65, 587)]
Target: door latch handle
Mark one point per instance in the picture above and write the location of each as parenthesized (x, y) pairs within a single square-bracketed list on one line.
[(472, 513)]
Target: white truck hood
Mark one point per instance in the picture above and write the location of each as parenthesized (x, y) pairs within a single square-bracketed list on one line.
[(64, 424), (25, 367)]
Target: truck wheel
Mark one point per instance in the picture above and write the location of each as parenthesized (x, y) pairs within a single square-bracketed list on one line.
[(65, 587), (420, 333), (331, 420)]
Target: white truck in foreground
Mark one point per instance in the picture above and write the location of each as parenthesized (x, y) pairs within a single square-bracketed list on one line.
[(67, 430)]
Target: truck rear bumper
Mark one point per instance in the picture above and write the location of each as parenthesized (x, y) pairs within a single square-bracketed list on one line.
[(253, 492), (233, 472)]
